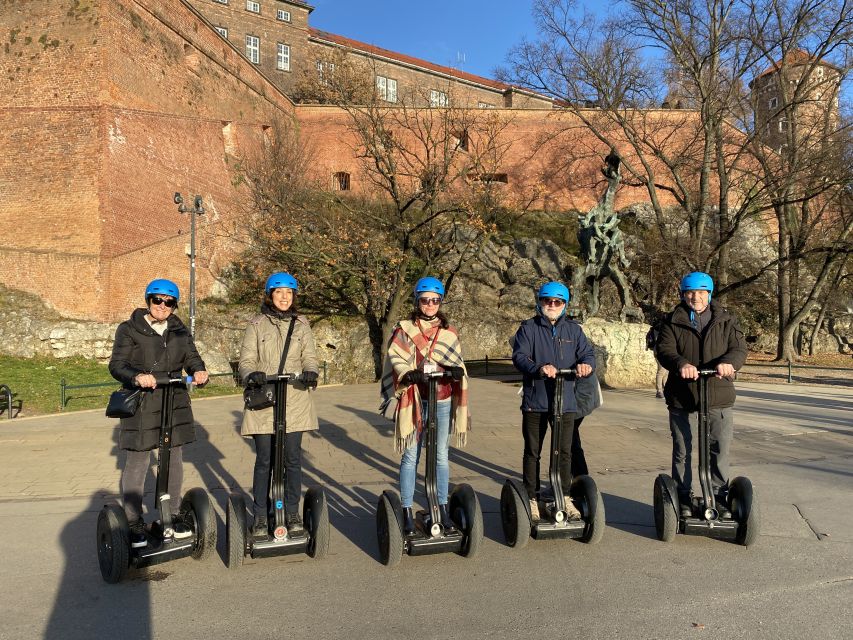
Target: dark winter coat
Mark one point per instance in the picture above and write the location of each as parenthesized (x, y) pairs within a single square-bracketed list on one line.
[(679, 343), (139, 349), (562, 345)]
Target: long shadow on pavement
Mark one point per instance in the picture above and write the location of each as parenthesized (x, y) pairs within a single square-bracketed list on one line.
[(87, 607), (629, 515)]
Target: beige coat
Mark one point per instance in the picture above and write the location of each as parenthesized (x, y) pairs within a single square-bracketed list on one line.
[(263, 343)]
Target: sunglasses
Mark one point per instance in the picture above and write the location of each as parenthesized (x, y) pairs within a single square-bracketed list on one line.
[(551, 302), (426, 301), (171, 302)]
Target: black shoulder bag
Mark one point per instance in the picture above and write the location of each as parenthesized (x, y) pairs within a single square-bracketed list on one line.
[(124, 403), (263, 397)]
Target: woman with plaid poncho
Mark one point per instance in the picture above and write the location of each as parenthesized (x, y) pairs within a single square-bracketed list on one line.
[(424, 343)]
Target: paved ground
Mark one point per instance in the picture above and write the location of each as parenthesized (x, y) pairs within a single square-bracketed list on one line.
[(793, 441)]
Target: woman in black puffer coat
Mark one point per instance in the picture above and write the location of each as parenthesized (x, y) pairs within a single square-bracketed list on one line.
[(154, 341)]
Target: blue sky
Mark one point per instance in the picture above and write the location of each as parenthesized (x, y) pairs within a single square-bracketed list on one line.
[(435, 30)]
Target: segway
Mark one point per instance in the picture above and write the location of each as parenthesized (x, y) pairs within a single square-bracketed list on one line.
[(516, 517), (115, 554), (314, 540), (705, 519), (462, 535)]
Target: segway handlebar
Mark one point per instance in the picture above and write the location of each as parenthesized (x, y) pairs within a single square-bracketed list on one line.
[(707, 372), (450, 372), (164, 380), (567, 372), (291, 377)]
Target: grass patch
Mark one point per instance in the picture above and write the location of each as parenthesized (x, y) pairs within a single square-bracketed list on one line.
[(35, 383)]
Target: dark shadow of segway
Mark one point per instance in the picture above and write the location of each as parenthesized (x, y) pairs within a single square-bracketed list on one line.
[(629, 515), (491, 508), (86, 606)]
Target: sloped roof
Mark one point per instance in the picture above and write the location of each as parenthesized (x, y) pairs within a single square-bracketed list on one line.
[(795, 57), (373, 50)]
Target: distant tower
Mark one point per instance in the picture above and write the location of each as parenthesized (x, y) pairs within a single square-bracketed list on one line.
[(814, 113)]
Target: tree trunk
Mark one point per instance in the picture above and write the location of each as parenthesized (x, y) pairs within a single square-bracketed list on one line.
[(785, 345)]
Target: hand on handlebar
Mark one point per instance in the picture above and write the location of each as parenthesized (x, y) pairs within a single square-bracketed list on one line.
[(583, 370), (256, 379), (549, 371), (689, 372), (200, 378), (146, 381), (416, 376), (725, 370), (309, 379)]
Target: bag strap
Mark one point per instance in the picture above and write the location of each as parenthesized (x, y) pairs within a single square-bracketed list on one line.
[(286, 344)]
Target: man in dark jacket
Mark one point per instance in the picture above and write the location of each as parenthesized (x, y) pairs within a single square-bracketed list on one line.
[(700, 334), (542, 345)]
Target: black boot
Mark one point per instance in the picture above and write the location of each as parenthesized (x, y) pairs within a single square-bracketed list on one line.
[(722, 507), (446, 520), (686, 502), (408, 521), (294, 524), (261, 527)]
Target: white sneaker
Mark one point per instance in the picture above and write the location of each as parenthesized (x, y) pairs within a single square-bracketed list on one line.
[(534, 509), (572, 512)]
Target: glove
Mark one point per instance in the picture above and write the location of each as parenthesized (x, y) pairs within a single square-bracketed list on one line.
[(256, 379), (414, 377), (455, 372), (309, 379)]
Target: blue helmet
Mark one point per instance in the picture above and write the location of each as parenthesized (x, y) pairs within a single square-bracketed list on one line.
[(554, 290), (280, 279), (428, 285), (162, 287), (697, 281)]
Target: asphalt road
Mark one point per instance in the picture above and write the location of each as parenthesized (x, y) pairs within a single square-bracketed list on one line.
[(794, 442)]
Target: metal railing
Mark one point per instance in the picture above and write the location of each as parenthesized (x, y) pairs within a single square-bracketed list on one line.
[(64, 387), (6, 391)]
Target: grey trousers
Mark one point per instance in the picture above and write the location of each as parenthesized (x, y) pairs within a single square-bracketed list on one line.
[(660, 379), (133, 481), (683, 426)]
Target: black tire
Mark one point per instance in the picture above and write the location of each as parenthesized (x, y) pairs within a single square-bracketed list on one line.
[(666, 513), (113, 538), (315, 513), (389, 533), (514, 517), (197, 508), (465, 510), (585, 492), (745, 511), (235, 531)]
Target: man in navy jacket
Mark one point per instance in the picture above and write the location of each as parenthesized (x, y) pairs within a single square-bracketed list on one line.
[(545, 343)]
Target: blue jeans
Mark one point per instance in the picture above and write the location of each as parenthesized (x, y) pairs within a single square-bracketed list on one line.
[(412, 455)]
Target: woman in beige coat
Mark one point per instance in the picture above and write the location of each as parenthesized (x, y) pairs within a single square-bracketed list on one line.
[(260, 355)]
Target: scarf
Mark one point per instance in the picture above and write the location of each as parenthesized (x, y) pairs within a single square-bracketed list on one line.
[(407, 346)]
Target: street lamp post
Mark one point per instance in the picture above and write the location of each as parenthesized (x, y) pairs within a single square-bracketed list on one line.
[(196, 209)]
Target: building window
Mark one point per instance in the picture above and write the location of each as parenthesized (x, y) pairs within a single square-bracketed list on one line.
[(774, 102), (282, 15), (386, 89), (221, 1), (340, 181), (325, 70), (783, 125), (492, 178), (253, 49), (437, 98), (282, 59), (223, 32), (254, 7), (485, 105), (460, 140)]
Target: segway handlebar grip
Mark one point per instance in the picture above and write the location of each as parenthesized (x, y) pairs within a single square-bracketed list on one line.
[(567, 372), (707, 372), (450, 372), (164, 379), (275, 377)]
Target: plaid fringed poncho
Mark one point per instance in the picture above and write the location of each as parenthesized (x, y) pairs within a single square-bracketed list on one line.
[(406, 350)]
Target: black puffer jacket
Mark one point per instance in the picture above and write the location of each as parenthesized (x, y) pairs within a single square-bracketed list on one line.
[(679, 344), (140, 349)]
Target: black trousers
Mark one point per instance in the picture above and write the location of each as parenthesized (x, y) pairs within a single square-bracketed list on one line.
[(292, 473), (579, 467), (534, 426)]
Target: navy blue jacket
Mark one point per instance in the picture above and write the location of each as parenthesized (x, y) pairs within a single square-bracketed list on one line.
[(562, 345)]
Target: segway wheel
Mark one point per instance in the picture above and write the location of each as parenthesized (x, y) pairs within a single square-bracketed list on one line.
[(315, 513), (514, 517), (235, 531), (585, 491), (113, 543), (666, 514), (465, 510), (389, 531), (197, 508), (745, 511)]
